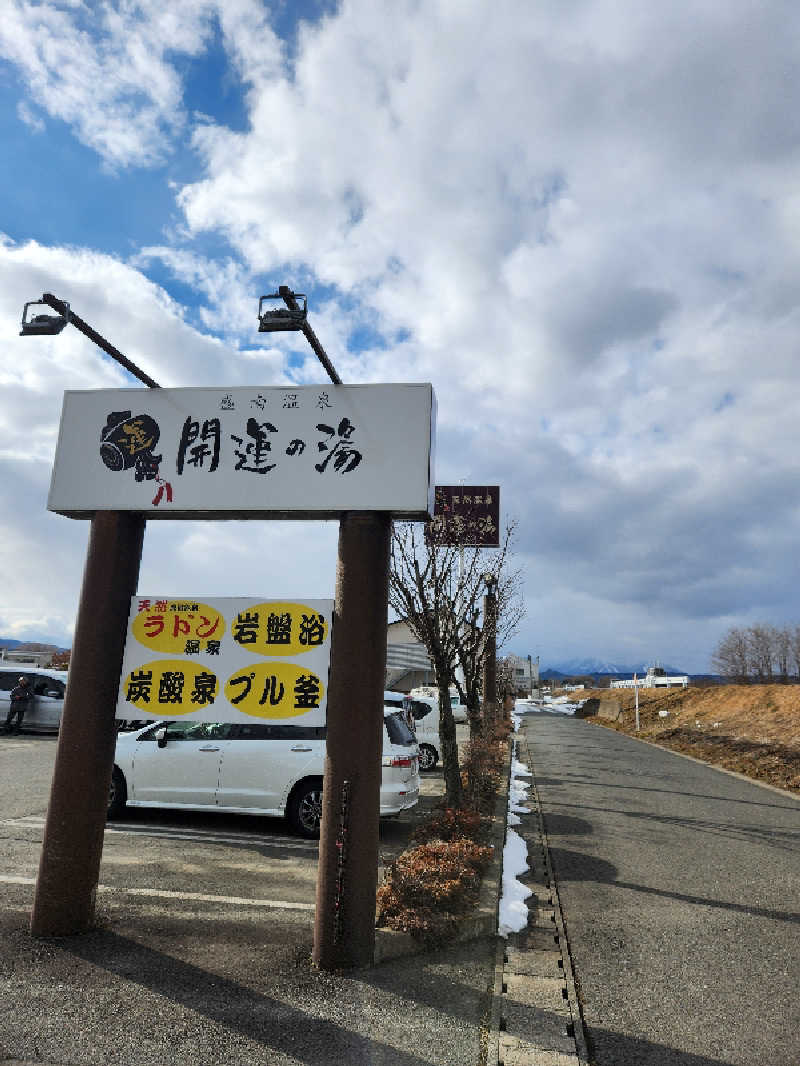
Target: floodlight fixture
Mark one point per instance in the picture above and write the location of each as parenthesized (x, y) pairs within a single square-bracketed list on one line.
[(281, 319), (42, 325), (293, 317)]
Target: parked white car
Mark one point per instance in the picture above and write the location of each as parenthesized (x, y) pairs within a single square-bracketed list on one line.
[(430, 695), (423, 713), (267, 769), (49, 686)]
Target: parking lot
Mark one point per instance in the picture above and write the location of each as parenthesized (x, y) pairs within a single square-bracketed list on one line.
[(175, 859), (201, 951)]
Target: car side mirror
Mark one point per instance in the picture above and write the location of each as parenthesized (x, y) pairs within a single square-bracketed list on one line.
[(161, 737)]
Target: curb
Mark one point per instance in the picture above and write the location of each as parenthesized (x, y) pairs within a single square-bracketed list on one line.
[(393, 944), (702, 762), (536, 1016)]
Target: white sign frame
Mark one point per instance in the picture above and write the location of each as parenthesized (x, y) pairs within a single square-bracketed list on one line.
[(293, 451)]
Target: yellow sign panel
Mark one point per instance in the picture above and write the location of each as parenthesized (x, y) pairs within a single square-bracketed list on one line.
[(171, 687), (227, 659), (279, 629), (274, 690), (168, 626)]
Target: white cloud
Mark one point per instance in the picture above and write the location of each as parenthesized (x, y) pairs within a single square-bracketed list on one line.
[(584, 219), (30, 118), (584, 230), (104, 70)]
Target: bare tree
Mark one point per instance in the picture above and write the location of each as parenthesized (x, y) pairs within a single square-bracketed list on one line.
[(782, 650), (509, 611), (731, 658), (760, 648), (761, 652), (437, 589)]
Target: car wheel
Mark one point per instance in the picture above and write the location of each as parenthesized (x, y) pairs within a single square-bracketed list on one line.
[(428, 757), (118, 793), (305, 808)]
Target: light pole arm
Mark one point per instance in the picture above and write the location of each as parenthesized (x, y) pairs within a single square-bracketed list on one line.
[(101, 342), (310, 335)]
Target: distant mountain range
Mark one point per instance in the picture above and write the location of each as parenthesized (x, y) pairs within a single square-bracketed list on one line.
[(566, 668), (29, 645), (591, 667)]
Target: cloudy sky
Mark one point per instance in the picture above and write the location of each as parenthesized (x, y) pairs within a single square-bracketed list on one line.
[(579, 219)]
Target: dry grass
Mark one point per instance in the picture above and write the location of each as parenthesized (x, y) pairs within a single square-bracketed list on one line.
[(754, 729)]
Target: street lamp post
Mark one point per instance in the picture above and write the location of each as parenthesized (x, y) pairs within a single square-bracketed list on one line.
[(69, 866), (490, 649), (347, 877)]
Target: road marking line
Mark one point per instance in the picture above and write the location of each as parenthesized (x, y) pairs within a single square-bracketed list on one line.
[(204, 837), (201, 897), (199, 835)]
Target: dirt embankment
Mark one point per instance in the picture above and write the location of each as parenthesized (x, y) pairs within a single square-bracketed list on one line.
[(754, 729)]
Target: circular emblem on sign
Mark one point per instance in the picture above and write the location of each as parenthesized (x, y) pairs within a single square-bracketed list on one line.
[(283, 630), (169, 688), (179, 627), (274, 690)]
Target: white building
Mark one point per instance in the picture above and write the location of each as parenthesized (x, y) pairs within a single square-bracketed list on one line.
[(407, 662), (655, 678), (27, 657), (524, 672)]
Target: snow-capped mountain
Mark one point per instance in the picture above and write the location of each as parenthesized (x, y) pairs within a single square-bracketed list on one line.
[(602, 666)]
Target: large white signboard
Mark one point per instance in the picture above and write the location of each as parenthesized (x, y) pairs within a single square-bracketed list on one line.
[(312, 451), (232, 659)]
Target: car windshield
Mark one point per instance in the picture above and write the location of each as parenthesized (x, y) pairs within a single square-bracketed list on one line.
[(398, 731)]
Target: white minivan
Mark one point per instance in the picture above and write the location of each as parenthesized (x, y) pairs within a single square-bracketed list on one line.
[(44, 713), (244, 768)]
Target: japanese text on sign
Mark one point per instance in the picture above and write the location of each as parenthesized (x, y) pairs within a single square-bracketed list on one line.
[(304, 451), (465, 514)]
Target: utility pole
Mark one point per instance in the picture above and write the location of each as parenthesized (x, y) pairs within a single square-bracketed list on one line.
[(490, 650)]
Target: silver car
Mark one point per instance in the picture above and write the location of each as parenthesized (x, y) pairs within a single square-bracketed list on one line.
[(48, 686)]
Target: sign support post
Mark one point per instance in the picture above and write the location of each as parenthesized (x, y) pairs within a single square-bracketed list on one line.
[(69, 866), (344, 926)]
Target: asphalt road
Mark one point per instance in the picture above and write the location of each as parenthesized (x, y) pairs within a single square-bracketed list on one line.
[(680, 890)]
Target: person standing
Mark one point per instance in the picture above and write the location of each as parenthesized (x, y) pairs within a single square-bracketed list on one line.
[(21, 699)]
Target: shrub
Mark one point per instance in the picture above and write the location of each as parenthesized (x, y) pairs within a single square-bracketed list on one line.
[(483, 764), (452, 823), (431, 886)]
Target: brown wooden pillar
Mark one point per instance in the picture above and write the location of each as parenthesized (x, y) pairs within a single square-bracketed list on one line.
[(344, 929), (69, 867)]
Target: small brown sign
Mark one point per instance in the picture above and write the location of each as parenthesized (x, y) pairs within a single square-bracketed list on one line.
[(465, 514)]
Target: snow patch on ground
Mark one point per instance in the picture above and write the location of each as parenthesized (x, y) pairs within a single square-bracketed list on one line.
[(518, 792), (513, 908), (513, 914), (557, 705)]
